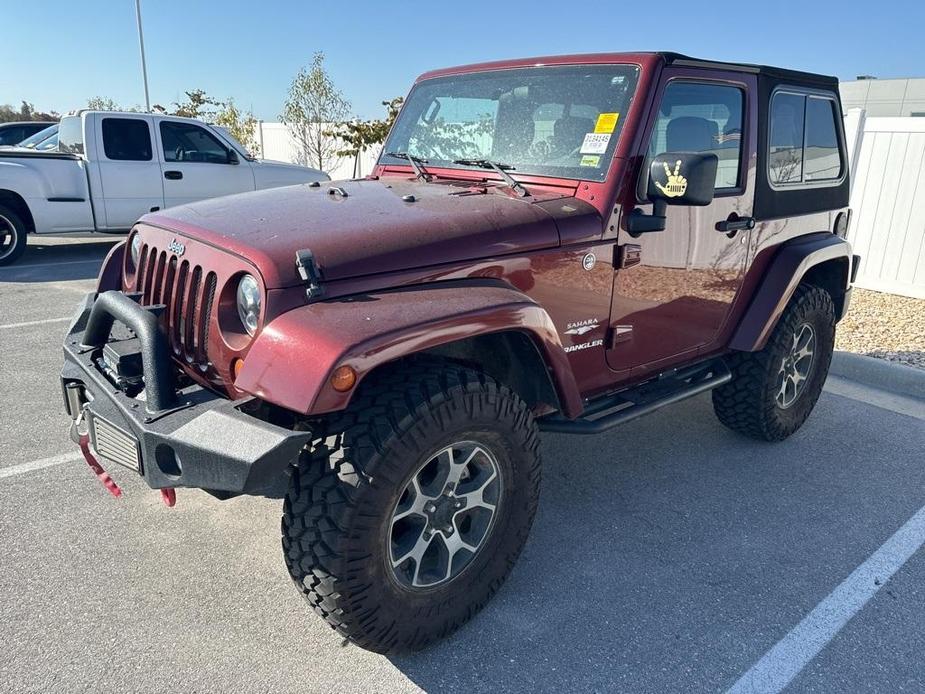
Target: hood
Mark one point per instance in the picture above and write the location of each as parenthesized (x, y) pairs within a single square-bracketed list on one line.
[(365, 227)]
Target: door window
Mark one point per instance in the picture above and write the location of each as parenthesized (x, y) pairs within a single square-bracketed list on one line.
[(188, 142), (126, 139), (700, 117)]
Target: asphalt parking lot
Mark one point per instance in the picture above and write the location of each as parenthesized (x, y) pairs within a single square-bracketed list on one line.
[(668, 555)]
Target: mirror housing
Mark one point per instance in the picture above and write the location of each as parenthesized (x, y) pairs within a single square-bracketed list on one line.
[(675, 178), (683, 178)]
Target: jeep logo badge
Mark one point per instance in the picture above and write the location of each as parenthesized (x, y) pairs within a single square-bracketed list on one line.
[(176, 247)]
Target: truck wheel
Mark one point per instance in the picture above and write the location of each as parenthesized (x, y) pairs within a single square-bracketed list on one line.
[(12, 236), (773, 391), (408, 512)]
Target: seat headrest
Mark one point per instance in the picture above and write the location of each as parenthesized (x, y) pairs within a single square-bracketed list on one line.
[(691, 134)]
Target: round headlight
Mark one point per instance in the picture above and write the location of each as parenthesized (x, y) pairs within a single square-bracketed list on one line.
[(136, 249), (249, 303)]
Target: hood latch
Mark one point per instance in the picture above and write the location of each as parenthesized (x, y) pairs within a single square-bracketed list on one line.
[(309, 272)]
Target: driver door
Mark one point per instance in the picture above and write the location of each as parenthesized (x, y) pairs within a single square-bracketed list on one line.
[(674, 289), (196, 165)]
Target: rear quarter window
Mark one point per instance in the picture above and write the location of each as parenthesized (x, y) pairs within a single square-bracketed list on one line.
[(803, 140), (126, 139)]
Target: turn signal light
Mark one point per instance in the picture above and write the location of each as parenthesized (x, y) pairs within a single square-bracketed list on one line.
[(236, 367), (343, 379)]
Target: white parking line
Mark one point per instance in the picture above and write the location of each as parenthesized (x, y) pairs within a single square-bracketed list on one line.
[(792, 653), (23, 468), (34, 322), (51, 264)]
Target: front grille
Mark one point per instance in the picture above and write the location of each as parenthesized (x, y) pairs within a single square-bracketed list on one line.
[(188, 292), (113, 444)]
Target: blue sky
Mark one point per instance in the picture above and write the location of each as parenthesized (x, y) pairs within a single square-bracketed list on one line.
[(65, 51)]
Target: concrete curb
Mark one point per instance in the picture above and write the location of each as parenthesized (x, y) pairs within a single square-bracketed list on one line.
[(879, 373)]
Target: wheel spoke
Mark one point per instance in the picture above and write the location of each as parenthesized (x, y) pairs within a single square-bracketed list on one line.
[(416, 552), (475, 498), (416, 506), (455, 542)]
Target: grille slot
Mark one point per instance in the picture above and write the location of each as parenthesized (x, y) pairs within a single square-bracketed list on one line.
[(188, 292), (113, 444)]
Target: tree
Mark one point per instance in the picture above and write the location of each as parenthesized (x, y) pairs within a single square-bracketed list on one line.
[(104, 103), (241, 124), (203, 107), (314, 104), (198, 104), (26, 111), (360, 135)]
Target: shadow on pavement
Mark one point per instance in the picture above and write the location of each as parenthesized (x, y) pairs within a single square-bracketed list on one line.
[(670, 554), (58, 262)]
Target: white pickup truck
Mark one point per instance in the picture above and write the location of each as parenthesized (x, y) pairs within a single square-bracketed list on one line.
[(110, 168)]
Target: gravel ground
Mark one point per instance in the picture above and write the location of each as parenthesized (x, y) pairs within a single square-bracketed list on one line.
[(885, 326)]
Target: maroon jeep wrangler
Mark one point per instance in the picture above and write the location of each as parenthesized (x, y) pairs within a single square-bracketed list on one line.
[(558, 244)]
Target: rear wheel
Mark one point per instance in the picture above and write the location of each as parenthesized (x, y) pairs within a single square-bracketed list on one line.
[(773, 391), (12, 236), (409, 511)]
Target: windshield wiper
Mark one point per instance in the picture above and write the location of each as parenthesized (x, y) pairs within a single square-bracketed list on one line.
[(415, 164), (501, 169)]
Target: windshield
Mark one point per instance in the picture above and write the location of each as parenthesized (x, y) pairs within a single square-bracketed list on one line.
[(40, 136), (232, 141), (561, 121)]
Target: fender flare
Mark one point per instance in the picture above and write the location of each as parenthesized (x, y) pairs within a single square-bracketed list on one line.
[(793, 260), (292, 359)]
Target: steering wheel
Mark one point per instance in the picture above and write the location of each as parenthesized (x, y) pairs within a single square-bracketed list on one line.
[(179, 153)]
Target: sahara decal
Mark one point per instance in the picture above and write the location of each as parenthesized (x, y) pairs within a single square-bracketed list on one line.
[(582, 326)]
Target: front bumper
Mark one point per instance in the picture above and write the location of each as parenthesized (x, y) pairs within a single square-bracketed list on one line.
[(173, 437)]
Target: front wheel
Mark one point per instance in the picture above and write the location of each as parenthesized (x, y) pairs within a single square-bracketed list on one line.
[(407, 514), (773, 391), (12, 236)]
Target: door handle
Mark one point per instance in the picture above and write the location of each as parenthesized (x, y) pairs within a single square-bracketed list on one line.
[(734, 223), (173, 175)]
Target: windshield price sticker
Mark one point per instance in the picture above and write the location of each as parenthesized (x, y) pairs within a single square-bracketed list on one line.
[(595, 143), (606, 122)]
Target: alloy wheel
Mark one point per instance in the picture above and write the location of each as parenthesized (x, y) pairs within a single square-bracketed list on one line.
[(8, 238), (796, 366), (444, 515)]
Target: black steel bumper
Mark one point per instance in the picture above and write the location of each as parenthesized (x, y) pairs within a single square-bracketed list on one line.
[(187, 437)]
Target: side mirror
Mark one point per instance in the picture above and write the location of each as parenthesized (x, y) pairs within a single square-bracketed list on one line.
[(675, 178), (683, 178), (232, 157)]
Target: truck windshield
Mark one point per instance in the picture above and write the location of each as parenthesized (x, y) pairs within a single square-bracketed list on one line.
[(561, 121), (39, 137)]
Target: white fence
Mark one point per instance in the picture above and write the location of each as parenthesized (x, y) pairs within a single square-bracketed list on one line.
[(276, 143), (888, 201)]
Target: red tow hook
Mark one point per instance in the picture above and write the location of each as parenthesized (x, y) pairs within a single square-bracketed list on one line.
[(168, 496), (98, 470)]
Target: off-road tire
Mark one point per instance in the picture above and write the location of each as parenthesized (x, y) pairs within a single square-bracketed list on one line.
[(748, 404), (348, 481), (12, 249)]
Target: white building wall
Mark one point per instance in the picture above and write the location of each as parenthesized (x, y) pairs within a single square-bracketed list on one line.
[(277, 144)]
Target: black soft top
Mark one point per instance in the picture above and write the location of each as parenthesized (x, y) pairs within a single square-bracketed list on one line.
[(777, 73), (771, 202)]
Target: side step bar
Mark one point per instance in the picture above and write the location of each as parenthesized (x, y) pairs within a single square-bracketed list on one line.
[(669, 388)]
